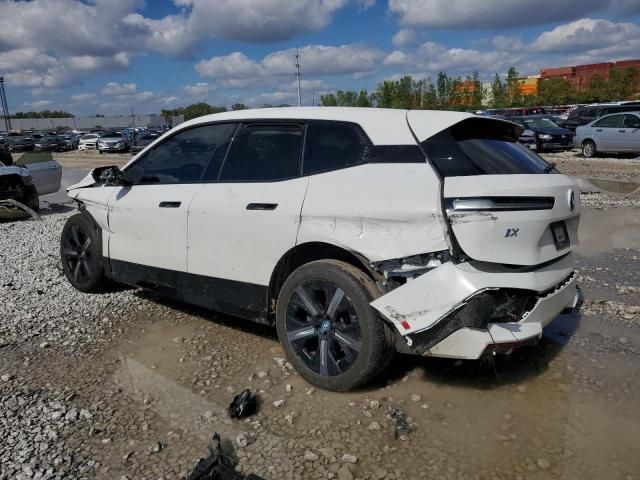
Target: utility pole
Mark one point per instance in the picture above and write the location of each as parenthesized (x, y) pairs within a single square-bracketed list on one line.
[(297, 56), (5, 107), (313, 99)]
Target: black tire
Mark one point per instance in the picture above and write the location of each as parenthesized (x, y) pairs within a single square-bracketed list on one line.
[(351, 322), (81, 254), (589, 149)]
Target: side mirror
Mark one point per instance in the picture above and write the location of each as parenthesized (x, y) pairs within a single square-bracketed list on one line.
[(111, 175)]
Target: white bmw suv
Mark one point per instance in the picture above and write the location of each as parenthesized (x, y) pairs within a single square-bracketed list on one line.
[(355, 232)]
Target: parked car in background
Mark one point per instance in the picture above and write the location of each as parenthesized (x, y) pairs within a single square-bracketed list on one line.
[(616, 133), (587, 114), (71, 141), (523, 112), (547, 135), (143, 139), (26, 182), (50, 143), (112, 142), (21, 144), (5, 152), (88, 141), (282, 216)]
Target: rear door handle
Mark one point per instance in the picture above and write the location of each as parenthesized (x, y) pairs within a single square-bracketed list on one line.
[(170, 204), (262, 206), (621, 131), (598, 130)]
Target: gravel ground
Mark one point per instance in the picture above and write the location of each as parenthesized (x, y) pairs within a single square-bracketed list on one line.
[(124, 385)]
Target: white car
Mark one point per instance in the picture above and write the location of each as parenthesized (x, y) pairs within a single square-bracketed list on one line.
[(88, 141), (355, 232), (25, 183), (615, 133)]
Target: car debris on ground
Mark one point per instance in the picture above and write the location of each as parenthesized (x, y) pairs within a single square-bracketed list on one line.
[(243, 405), (218, 465)]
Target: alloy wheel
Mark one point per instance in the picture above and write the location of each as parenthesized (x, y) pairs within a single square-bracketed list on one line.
[(77, 254), (322, 327)]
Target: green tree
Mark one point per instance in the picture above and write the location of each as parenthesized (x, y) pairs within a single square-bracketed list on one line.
[(513, 87), (346, 98), (364, 99), (623, 83), (328, 100), (555, 91), (498, 92), (444, 87), (239, 106)]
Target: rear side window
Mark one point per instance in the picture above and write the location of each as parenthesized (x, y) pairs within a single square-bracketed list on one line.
[(631, 121), (614, 121), (182, 158), (471, 148), (263, 153), (331, 146)]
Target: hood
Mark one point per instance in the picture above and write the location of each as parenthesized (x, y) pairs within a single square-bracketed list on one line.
[(85, 182), (552, 130), (14, 170)]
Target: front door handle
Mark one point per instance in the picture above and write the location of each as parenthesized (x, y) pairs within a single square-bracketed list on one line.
[(170, 204), (622, 131), (598, 130), (262, 206)]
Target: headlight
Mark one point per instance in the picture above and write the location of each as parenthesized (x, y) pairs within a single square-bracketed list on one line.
[(545, 136)]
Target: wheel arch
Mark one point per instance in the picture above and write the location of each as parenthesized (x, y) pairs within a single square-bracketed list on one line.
[(309, 252)]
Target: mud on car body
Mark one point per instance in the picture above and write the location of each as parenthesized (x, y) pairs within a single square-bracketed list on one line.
[(355, 232)]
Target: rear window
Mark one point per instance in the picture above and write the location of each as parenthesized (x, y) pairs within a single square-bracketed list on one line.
[(471, 148)]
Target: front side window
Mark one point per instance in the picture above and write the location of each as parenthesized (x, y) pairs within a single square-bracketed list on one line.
[(263, 153), (182, 158), (472, 148), (330, 146), (614, 121)]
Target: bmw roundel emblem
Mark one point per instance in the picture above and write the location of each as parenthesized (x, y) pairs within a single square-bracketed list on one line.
[(571, 199)]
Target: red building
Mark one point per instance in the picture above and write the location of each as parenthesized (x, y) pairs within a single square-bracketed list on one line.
[(578, 77)]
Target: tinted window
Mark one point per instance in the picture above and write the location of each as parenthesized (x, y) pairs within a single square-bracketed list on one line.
[(614, 121), (263, 153), (456, 153), (330, 146), (631, 121), (183, 157)]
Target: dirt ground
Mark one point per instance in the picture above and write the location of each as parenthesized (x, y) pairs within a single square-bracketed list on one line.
[(157, 386)]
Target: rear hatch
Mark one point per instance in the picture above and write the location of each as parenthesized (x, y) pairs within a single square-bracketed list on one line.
[(504, 204)]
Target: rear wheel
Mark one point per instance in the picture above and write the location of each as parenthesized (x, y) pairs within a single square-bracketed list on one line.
[(330, 334), (589, 149), (81, 252)]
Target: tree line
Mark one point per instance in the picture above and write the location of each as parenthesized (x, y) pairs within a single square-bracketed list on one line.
[(448, 93), (44, 114)]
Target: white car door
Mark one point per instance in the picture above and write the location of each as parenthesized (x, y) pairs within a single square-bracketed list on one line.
[(241, 225), (45, 171), (148, 220), (631, 133), (606, 132)]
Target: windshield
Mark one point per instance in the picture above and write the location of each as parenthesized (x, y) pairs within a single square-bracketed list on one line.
[(21, 140), (456, 153), (88, 137), (49, 139), (539, 123), (111, 135), (148, 137)]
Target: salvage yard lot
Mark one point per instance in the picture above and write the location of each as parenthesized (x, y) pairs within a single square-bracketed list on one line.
[(126, 385)]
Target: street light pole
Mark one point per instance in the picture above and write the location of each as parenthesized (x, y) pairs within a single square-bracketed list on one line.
[(297, 56)]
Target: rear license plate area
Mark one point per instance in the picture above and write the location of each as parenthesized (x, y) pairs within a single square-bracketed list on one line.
[(560, 234)]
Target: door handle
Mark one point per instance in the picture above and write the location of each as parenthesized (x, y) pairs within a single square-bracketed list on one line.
[(262, 206), (621, 131), (598, 129), (169, 204)]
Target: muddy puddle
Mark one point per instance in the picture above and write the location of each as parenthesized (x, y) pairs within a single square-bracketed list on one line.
[(615, 186)]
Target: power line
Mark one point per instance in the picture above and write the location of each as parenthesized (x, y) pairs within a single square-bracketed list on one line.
[(5, 107), (297, 57)]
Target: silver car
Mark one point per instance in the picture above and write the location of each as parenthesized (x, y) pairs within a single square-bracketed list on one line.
[(615, 133)]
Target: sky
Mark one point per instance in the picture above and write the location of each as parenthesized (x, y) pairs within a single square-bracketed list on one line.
[(109, 56)]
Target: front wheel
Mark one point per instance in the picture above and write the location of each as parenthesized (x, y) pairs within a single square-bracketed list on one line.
[(330, 334), (81, 253)]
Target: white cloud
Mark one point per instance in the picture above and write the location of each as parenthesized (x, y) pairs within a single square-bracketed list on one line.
[(488, 14), (84, 97), (234, 65), (114, 88), (586, 34), (404, 38), (39, 104), (198, 90), (397, 57), (166, 101)]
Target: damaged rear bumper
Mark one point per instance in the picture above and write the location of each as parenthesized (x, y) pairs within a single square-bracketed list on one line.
[(463, 310)]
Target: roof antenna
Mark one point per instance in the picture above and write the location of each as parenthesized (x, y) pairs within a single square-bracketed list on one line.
[(297, 56)]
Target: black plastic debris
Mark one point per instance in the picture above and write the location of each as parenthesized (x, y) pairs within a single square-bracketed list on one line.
[(243, 405), (402, 425), (218, 465)]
